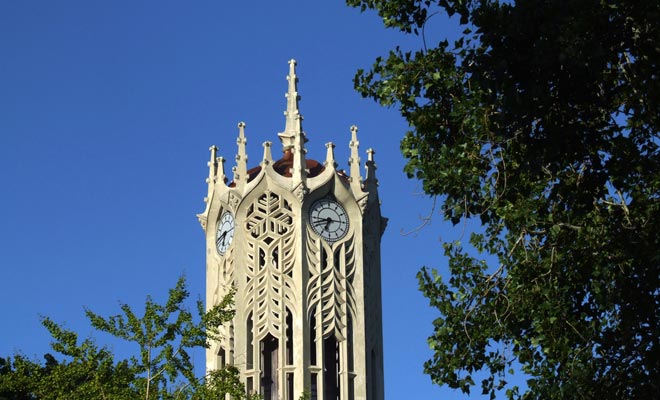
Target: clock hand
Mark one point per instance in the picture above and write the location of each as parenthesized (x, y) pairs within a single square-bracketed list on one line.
[(321, 218), (325, 221), (222, 237)]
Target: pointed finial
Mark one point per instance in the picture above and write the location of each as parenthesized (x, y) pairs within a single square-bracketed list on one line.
[(354, 161), (220, 162), (212, 164), (268, 157), (330, 156), (370, 154), (371, 167), (216, 167), (240, 172), (213, 167)]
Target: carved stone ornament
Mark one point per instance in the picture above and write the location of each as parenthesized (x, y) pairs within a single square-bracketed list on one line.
[(301, 191), (233, 200), (202, 220)]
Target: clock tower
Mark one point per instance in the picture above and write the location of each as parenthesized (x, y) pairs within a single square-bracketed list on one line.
[(299, 240)]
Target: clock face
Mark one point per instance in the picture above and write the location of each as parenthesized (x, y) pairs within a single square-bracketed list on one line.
[(329, 219), (225, 232)]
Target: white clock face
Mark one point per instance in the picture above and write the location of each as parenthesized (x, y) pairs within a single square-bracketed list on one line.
[(329, 219), (225, 232)]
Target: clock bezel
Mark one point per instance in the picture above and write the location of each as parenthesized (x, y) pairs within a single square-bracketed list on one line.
[(341, 214)]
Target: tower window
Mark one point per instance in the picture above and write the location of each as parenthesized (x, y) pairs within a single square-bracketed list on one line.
[(289, 338), (351, 388), (349, 342), (269, 368), (289, 386), (330, 369), (314, 389), (249, 353), (312, 337), (222, 361)]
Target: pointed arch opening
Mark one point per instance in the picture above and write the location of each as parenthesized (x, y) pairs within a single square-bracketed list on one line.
[(221, 357)]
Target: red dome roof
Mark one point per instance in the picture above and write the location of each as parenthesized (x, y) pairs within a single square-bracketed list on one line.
[(284, 167)]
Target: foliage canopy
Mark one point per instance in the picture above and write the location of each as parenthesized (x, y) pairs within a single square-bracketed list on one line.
[(162, 369), (542, 121)]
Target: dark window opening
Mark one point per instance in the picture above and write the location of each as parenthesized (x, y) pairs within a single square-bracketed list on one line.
[(289, 338), (313, 391), (349, 343), (324, 259), (269, 366), (231, 342), (289, 384), (262, 259), (276, 258), (249, 353), (312, 338), (331, 369), (336, 258), (222, 361), (351, 388)]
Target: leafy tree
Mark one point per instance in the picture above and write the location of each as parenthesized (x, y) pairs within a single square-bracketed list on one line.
[(89, 372), (542, 122), (164, 335)]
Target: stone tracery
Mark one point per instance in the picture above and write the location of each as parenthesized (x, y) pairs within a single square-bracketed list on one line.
[(270, 256)]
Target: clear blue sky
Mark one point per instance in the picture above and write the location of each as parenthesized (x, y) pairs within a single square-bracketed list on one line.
[(107, 110)]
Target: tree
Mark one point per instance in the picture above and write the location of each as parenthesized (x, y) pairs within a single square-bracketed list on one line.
[(541, 121), (89, 372), (162, 368)]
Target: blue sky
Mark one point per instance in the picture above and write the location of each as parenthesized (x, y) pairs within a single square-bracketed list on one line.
[(107, 110)]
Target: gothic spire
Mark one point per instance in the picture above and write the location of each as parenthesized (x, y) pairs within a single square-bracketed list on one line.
[(293, 128), (293, 138), (354, 161)]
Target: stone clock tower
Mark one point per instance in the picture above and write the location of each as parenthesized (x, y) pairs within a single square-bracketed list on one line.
[(299, 240)]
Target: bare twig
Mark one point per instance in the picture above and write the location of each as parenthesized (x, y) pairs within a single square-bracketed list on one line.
[(426, 220)]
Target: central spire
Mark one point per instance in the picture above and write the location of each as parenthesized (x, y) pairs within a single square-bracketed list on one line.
[(293, 128)]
